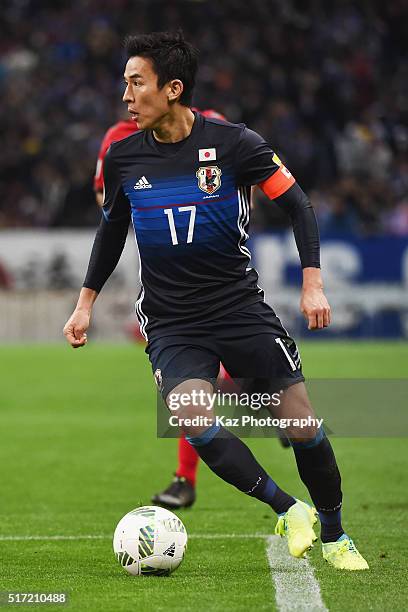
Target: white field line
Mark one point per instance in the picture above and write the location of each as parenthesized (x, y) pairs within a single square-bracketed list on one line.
[(296, 587), (201, 536)]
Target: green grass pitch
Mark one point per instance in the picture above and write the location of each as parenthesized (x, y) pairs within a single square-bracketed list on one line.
[(79, 449)]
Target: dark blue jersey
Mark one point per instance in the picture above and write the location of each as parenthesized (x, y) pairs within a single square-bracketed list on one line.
[(189, 204)]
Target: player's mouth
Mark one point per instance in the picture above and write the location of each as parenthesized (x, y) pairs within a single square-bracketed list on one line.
[(134, 115)]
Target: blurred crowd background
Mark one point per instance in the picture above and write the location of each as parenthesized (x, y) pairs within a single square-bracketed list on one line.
[(325, 82)]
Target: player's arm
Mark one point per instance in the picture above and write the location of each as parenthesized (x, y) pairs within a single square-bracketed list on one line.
[(106, 251), (257, 164), (313, 303)]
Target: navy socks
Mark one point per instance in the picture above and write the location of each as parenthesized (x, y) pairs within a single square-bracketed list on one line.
[(276, 498), (331, 528), (319, 472)]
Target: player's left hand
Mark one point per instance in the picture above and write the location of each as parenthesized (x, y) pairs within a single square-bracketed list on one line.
[(315, 307)]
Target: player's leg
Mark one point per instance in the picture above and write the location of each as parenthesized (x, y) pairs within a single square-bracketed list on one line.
[(272, 362), (315, 459), (170, 361), (229, 458), (225, 454), (226, 384), (318, 470), (181, 492), (188, 460)]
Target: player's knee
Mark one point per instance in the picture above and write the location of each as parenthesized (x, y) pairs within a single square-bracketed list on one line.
[(310, 434), (191, 407)]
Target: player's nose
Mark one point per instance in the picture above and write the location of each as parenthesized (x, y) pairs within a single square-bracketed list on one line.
[(127, 96)]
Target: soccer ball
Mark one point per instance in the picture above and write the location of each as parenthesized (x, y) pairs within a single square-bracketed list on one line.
[(150, 541)]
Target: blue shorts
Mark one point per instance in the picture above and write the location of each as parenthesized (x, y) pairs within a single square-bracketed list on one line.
[(252, 345)]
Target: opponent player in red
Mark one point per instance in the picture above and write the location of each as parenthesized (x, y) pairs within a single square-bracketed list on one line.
[(116, 132), (181, 491)]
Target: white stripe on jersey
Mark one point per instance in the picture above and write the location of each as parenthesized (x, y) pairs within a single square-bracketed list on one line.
[(143, 319), (245, 206), (243, 220)]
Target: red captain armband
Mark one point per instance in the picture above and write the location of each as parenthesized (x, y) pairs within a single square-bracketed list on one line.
[(278, 183)]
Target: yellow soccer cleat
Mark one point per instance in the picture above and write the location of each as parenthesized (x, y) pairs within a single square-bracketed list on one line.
[(297, 526), (344, 555)]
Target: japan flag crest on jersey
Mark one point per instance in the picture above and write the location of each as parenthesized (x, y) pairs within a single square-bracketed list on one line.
[(207, 154), (209, 178)]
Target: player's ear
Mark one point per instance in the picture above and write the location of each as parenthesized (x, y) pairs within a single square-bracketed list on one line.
[(175, 90)]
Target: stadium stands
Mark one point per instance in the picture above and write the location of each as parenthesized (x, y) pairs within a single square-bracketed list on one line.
[(324, 82)]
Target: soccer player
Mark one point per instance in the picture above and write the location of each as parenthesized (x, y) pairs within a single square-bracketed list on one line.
[(184, 181), (181, 492)]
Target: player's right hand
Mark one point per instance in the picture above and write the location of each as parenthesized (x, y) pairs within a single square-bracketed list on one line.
[(75, 328)]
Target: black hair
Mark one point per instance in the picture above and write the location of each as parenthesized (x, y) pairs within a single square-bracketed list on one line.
[(172, 57)]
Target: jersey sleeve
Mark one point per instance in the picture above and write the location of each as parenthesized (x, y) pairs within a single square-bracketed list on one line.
[(116, 206), (257, 164)]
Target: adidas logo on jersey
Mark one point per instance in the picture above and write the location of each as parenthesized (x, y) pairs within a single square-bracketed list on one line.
[(142, 183)]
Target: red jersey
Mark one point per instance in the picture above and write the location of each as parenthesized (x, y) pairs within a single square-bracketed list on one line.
[(121, 130), (210, 113)]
